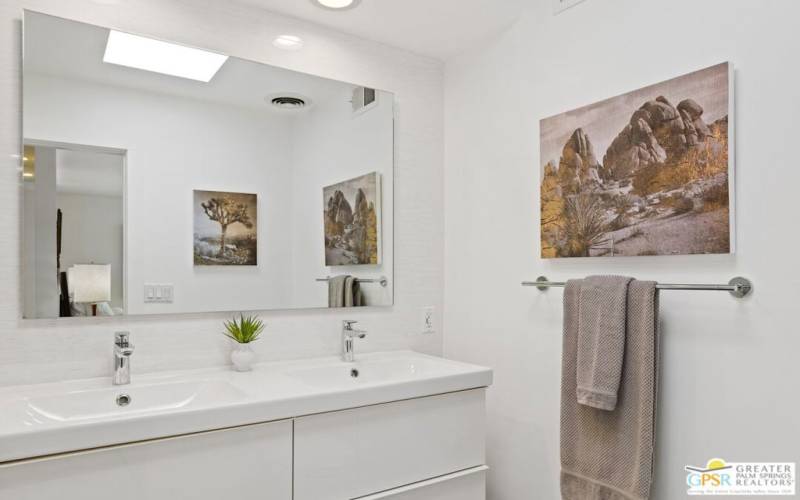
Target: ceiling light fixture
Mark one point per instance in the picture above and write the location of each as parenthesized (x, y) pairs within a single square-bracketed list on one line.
[(288, 42), (168, 58), (336, 4)]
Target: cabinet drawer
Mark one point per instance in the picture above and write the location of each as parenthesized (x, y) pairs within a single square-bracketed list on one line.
[(248, 463), (465, 485), (353, 453)]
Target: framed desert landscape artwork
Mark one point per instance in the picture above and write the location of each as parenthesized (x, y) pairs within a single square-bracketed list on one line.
[(225, 229), (649, 172), (352, 217)]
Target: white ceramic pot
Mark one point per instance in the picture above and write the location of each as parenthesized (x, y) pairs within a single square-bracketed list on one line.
[(242, 356)]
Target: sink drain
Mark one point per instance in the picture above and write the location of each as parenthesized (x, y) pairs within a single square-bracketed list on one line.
[(354, 373), (123, 400)]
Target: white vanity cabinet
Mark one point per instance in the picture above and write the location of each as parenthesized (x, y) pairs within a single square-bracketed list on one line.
[(469, 484), (247, 463), (368, 452), (411, 427)]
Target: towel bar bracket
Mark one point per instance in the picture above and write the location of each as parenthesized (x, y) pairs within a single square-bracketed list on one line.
[(742, 286), (542, 279), (738, 287)]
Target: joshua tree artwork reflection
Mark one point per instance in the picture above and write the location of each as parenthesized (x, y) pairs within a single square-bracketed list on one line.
[(225, 229)]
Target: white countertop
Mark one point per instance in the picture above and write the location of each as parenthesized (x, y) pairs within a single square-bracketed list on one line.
[(45, 419)]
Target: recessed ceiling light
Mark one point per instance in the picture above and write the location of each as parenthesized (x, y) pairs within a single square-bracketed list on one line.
[(288, 42), (168, 58), (336, 4)]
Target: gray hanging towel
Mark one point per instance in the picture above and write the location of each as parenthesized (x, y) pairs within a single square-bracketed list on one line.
[(601, 339), (351, 292), (358, 295), (336, 291), (345, 291), (608, 455)]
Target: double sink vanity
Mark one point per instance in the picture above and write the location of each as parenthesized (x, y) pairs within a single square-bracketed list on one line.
[(396, 425)]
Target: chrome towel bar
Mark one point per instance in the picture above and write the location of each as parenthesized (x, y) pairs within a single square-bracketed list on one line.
[(382, 281), (738, 287)]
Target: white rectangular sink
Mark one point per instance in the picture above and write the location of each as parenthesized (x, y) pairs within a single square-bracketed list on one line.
[(131, 400), (45, 419)]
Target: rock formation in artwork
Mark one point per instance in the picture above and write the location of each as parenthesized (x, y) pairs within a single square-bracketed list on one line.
[(351, 231), (339, 211), (658, 133), (338, 216), (578, 167), (360, 213)]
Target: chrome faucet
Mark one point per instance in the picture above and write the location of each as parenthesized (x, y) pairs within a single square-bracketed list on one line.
[(349, 334), (123, 350)]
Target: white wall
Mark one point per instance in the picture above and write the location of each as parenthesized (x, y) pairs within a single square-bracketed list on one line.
[(196, 145), (91, 232), (331, 145), (729, 367), (42, 350)]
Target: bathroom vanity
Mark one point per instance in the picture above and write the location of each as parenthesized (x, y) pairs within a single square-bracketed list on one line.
[(400, 426)]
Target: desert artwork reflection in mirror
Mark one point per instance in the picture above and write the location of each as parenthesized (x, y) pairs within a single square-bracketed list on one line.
[(649, 172), (153, 188), (352, 221), (225, 229)]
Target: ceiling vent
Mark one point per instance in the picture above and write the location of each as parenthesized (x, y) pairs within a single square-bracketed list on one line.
[(288, 102), (364, 98)]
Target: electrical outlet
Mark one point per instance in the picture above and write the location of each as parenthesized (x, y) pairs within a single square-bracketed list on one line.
[(428, 318)]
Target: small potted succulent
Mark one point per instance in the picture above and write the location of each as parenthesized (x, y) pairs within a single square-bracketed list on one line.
[(243, 331)]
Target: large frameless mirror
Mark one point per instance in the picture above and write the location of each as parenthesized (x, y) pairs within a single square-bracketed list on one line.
[(159, 178)]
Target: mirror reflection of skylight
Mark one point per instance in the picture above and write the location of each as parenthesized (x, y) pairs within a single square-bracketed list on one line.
[(167, 58)]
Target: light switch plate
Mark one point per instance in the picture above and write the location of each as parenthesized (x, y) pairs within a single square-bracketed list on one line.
[(158, 293)]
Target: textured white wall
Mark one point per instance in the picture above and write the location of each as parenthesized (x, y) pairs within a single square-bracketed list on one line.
[(729, 367), (44, 350)]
